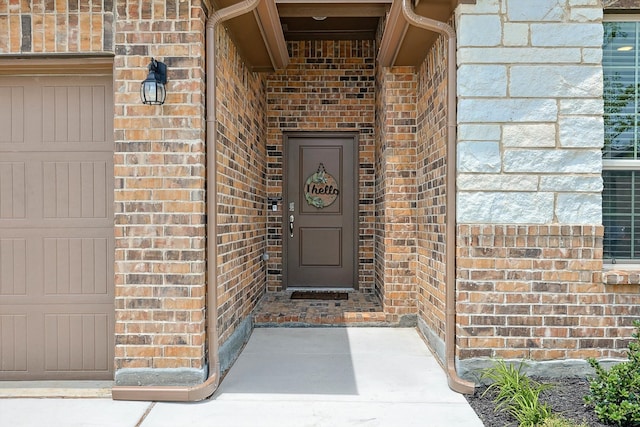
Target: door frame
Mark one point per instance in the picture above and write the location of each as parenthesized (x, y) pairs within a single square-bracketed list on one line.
[(354, 135)]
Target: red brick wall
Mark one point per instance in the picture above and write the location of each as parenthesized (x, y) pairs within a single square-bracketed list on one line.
[(380, 182), (160, 195), (158, 162), (46, 26), (160, 189), (536, 292), (431, 193), (242, 204), (327, 86), (396, 192)]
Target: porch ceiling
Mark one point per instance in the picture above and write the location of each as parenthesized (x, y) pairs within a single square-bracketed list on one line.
[(261, 36)]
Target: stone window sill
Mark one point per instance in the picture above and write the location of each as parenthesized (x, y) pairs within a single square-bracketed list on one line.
[(621, 274)]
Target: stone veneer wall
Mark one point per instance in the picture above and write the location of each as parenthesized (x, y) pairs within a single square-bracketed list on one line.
[(530, 112), (328, 86), (530, 280)]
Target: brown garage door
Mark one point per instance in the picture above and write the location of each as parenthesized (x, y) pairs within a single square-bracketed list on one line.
[(56, 227)]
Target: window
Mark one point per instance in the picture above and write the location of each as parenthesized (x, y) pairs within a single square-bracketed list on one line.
[(621, 152)]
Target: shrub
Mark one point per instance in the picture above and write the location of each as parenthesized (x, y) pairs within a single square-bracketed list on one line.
[(517, 393), (615, 394), (556, 421)]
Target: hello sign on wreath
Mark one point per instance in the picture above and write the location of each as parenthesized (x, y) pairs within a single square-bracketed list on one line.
[(321, 189)]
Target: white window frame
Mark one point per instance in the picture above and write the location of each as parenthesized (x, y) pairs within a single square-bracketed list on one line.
[(623, 164)]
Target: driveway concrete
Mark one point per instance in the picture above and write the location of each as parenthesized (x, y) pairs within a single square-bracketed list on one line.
[(290, 377)]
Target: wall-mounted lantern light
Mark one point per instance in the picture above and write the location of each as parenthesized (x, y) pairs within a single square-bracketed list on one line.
[(152, 90)]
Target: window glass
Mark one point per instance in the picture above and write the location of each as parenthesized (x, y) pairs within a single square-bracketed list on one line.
[(620, 63), (620, 201), (621, 214)]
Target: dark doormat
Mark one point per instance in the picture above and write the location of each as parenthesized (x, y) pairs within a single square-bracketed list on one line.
[(319, 295)]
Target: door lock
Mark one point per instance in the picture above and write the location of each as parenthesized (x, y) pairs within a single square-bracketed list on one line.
[(291, 219)]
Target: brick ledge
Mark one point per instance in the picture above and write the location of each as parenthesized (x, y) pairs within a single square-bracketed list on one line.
[(621, 275)]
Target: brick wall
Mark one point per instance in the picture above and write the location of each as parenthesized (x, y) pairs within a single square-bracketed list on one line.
[(242, 203), (380, 183), (536, 292), (160, 190), (45, 26), (328, 86), (159, 166), (396, 192), (531, 282), (432, 164), (530, 276), (160, 195)]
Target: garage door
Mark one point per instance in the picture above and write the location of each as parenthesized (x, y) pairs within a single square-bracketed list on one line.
[(56, 227)]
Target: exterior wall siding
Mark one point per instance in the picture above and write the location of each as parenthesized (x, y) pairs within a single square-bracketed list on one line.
[(159, 161), (431, 193), (242, 204), (396, 192), (161, 200), (530, 278), (536, 292), (42, 26), (380, 183), (530, 270), (530, 112), (328, 86), (160, 194)]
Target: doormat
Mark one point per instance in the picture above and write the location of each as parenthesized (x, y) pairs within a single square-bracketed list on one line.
[(319, 295)]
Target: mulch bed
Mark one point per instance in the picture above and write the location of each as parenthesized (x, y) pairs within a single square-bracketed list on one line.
[(565, 398)]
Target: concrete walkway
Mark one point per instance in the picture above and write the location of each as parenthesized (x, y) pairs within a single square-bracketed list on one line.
[(290, 377)]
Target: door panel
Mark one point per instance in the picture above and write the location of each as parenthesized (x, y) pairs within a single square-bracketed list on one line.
[(56, 228), (321, 196)]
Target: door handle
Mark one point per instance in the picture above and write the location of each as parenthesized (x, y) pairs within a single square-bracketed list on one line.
[(291, 219)]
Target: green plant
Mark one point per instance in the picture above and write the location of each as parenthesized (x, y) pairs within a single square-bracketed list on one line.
[(615, 394), (517, 393), (557, 421), (526, 407)]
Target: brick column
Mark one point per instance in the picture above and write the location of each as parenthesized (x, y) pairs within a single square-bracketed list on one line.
[(396, 193), (160, 196)]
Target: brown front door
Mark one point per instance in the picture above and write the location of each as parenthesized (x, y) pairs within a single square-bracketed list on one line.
[(319, 211)]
